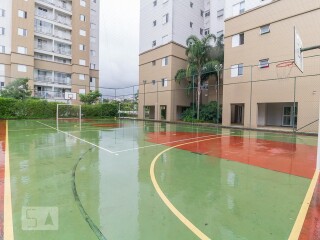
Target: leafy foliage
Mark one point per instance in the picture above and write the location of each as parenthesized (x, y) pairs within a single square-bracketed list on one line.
[(201, 63), (208, 113), (11, 108), (90, 98), (17, 89)]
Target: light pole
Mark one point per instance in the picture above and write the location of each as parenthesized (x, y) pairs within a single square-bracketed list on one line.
[(218, 68), (119, 110), (144, 98)]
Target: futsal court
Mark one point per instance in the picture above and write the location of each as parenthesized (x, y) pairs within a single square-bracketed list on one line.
[(123, 179)]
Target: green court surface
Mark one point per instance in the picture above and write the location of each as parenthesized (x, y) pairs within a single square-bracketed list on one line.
[(248, 185)]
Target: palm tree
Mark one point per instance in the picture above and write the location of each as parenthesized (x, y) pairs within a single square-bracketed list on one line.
[(199, 63)]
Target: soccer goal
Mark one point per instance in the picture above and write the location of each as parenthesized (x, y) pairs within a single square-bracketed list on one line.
[(68, 113)]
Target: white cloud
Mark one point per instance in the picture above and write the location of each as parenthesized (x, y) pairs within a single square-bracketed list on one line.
[(119, 43)]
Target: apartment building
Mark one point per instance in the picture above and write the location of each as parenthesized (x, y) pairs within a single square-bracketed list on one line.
[(256, 40), (53, 43), (164, 27)]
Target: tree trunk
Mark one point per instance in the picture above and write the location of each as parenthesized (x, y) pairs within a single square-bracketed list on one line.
[(198, 95)]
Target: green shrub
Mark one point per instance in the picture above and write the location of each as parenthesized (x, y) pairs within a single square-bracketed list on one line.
[(208, 113), (11, 108)]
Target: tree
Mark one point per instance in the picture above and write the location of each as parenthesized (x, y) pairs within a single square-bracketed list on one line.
[(90, 98), (199, 64), (17, 89)]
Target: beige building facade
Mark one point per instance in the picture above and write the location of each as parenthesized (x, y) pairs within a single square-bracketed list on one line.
[(50, 42), (257, 90)]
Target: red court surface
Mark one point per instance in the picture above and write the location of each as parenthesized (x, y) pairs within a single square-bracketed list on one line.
[(2, 168), (311, 226), (290, 158)]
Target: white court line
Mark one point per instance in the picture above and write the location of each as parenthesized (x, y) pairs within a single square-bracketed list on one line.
[(154, 145), (80, 139)]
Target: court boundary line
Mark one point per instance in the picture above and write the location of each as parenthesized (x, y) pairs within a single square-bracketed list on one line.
[(7, 219), (80, 139), (166, 201), (297, 227)]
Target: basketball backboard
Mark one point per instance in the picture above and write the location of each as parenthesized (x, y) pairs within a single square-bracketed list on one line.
[(298, 54), (70, 96)]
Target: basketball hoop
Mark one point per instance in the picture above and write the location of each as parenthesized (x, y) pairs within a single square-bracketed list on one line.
[(284, 68)]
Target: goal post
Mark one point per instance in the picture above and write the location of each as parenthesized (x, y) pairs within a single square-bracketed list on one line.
[(68, 112)]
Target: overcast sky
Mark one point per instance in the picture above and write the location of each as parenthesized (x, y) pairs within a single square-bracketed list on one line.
[(119, 43)]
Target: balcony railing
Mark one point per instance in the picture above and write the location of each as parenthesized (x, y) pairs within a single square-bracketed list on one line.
[(49, 94), (65, 21), (43, 30), (62, 35), (55, 80), (43, 47), (44, 79), (63, 51), (59, 4), (44, 15)]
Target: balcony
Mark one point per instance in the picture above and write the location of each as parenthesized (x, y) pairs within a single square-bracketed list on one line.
[(43, 30), (45, 15), (51, 80), (49, 95), (63, 20), (62, 35), (60, 4), (63, 51), (43, 47)]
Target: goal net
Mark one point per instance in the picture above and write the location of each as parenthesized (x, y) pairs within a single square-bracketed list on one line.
[(68, 113)]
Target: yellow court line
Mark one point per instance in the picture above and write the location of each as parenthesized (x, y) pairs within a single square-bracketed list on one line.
[(295, 232), (173, 209), (8, 225)]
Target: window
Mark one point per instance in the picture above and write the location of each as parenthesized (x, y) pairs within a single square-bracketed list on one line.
[(165, 61), (92, 66), (165, 18), (201, 13), (265, 29), (238, 8), (2, 12), (92, 80), (2, 49), (2, 30), (82, 18), (237, 70), (153, 62), (93, 26), (22, 68), (82, 62), (22, 50), (191, 4), (220, 13), (207, 13), (155, 23), (220, 33), (264, 63), (83, 3), (22, 14), (92, 39), (94, 1), (93, 53), (237, 40), (201, 31), (82, 91), (154, 43), (153, 82), (82, 77), (164, 1), (83, 32), (165, 39), (164, 82), (22, 32), (191, 24), (155, 3), (1, 84), (207, 31), (82, 47)]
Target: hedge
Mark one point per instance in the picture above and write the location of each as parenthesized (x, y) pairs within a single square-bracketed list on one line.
[(34, 108)]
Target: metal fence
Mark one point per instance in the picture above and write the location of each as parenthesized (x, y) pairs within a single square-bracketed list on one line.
[(270, 96)]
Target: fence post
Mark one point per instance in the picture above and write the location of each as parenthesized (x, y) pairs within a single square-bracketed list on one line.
[(294, 104), (250, 120), (193, 98)]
